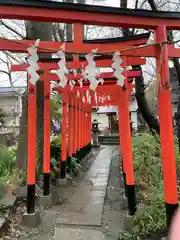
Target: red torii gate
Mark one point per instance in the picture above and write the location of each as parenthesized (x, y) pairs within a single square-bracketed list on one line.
[(160, 23)]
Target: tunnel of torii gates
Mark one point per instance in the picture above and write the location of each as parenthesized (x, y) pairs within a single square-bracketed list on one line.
[(77, 110)]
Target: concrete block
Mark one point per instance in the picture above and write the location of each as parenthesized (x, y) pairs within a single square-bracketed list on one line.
[(4, 225), (9, 202), (123, 203), (61, 182), (69, 234), (45, 201), (56, 199), (31, 220), (128, 223), (96, 146), (122, 183)]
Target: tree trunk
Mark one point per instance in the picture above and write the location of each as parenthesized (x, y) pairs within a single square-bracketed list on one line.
[(150, 119), (42, 31), (21, 156), (177, 68)]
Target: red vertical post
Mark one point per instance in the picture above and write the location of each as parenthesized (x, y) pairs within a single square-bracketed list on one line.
[(75, 126), (122, 147), (31, 163), (47, 134), (83, 130), (63, 137), (79, 129), (166, 129), (90, 127), (125, 138), (73, 132), (70, 115)]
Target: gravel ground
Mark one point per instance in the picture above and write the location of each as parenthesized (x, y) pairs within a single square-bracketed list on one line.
[(113, 215)]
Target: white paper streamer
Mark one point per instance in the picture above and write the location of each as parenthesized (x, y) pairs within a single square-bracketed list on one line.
[(32, 60), (117, 61), (101, 81), (72, 83), (81, 83), (83, 99), (108, 97), (91, 71), (78, 94), (62, 71), (95, 98)]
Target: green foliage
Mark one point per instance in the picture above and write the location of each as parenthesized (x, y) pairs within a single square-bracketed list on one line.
[(2, 116), (56, 141), (56, 106), (9, 176), (73, 164), (150, 216), (7, 160)]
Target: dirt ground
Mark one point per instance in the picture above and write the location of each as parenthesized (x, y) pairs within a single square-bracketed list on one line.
[(113, 215)]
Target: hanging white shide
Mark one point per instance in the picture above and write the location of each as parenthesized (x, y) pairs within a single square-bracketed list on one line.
[(62, 71), (72, 83), (78, 93), (91, 71), (88, 96), (32, 60), (117, 61)]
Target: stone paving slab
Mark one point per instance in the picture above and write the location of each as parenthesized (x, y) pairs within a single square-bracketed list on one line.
[(77, 234), (86, 205)]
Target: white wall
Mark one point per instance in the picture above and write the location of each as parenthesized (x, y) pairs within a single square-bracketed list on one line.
[(102, 118), (11, 104), (133, 109)]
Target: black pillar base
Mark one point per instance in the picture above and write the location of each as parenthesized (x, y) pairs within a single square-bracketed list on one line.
[(82, 153), (170, 211), (125, 185), (90, 147), (78, 155), (46, 187), (131, 197), (31, 199), (63, 169)]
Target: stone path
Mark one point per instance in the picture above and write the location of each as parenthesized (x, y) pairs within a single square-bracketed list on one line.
[(92, 207), (78, 234), (85, 208)]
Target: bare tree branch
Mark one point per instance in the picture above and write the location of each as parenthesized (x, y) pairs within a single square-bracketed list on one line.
[(11, 29)]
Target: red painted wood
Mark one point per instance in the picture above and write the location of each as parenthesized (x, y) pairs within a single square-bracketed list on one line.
[(166, 129), (106, 75), (125, 133), (92, 18), (31, 164), (70, 127), (47, 126), (64, 130), (20, 46), (131, 61)]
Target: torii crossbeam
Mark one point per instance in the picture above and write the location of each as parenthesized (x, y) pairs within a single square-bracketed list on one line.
[(159, 22)]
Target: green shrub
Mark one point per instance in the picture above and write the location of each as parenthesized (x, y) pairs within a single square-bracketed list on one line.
[(150, 216), (56, 141), (7, 159)]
